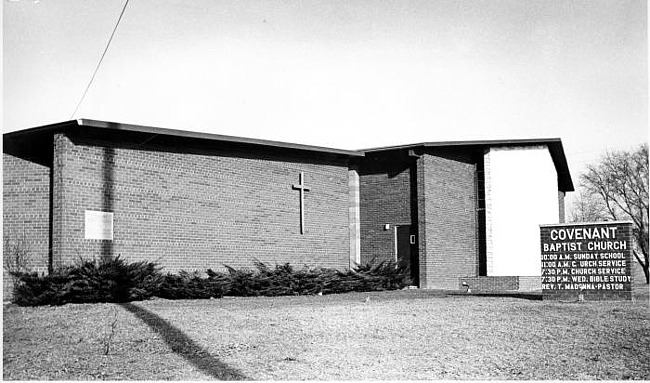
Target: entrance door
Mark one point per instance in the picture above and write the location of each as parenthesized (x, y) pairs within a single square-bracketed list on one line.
[(407, 251)]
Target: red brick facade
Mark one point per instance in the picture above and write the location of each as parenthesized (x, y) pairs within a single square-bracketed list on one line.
[(447, 206), (434, 192), (489, 283), (199, 211), (500, 283), (385, 191), (25, 213)]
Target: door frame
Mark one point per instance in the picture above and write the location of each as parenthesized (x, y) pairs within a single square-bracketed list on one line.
[(395, 225), (414, 257)]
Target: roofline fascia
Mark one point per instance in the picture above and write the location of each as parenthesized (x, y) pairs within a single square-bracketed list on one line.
[(214, 137), (559, 161), (181, 133), (531, 141), (586, 223), (42, 128)]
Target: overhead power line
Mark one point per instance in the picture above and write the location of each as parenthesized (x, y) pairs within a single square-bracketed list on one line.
[(100, 60)]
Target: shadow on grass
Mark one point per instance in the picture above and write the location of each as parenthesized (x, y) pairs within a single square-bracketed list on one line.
[(184, 346)]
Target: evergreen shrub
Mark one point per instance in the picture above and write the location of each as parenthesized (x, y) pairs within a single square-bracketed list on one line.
[(187, 285), (106, 280), (385, 275), (114, 280), (281, 280), (285, 280), (32, 289)]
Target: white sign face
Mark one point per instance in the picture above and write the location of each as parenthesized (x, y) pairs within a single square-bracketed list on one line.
[(99, 225)]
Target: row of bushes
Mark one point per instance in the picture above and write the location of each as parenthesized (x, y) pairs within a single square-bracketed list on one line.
[(115, 280)]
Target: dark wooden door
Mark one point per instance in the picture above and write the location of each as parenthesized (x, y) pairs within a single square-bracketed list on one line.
[(407, 251)]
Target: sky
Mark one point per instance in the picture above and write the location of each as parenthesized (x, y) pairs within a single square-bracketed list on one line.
[(347, 74)]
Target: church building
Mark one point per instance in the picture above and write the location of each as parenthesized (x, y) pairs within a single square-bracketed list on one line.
[(458, 213)]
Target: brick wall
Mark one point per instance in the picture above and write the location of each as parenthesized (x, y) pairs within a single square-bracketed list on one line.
[(354, 216), (447, 219), (198, 211), (560, 201), (385, 194), (530, 283), (504, 283), (501, 283), (60, 147), (25, 212)]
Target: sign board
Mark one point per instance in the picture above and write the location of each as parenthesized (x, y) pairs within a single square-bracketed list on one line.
[(590, 261), (99, 225)]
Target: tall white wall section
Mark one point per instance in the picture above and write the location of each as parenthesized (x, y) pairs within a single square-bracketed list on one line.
[(520, 194), (354, 217)]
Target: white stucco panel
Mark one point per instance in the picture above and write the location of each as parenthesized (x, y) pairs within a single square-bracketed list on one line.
[(521, 193)]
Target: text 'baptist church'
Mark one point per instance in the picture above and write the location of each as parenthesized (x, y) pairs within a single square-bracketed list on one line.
[(584, 233)]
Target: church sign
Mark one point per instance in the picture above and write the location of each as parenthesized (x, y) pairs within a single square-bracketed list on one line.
[(587, 261)]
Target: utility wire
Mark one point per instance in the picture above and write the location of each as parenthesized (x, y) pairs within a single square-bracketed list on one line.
[(100, 60)]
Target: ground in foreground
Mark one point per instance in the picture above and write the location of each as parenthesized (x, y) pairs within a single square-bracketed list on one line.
[(389, 335)]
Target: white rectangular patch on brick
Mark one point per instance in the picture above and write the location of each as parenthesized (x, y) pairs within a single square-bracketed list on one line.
[(99, 225)]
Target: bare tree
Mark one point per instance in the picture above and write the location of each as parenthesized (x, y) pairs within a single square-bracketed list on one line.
[(16, 253), (616, 188), (587, 208)]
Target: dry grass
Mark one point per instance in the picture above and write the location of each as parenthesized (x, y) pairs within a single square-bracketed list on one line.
[(394, 335)]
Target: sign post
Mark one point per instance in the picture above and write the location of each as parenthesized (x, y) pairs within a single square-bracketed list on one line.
[(587, 261)]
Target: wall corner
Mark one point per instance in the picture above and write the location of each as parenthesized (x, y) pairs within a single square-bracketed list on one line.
[(561, 206), (354, 215), (60, 146), (421, 221)]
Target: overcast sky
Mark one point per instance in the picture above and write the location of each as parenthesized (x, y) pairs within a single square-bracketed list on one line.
[(345, 74)]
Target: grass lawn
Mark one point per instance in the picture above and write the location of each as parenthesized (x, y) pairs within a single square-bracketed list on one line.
[(389, 335)]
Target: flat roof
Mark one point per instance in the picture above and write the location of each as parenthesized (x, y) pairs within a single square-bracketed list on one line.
[(587, 223), (565, 183), (33, 140), (516, 142), (115, 126)]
